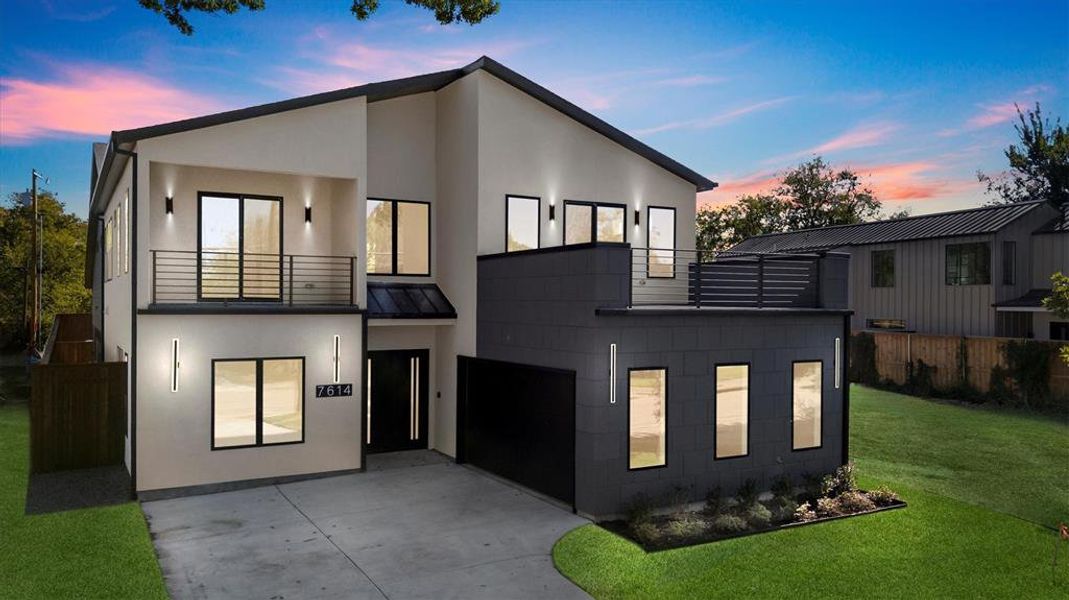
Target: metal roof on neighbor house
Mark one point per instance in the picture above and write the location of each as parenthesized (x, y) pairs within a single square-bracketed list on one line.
[(973, 221), (1058, 224), (388, 300)]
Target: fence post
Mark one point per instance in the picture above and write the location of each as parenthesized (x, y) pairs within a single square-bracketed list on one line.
[(291, 280)]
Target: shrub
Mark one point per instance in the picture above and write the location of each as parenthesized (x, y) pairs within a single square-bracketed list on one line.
[(919, 381), (1029, 364), (758, 515), (677, 499), (639, 510), (804, 513), (843, 480), (999, 387), (714, 502), (812, 484), (784, 510), (646, 532), (783, 488), (688, 526), (828, 507), (883, 496), (747, 493), (863, 359), (729, 524), (855, 501)]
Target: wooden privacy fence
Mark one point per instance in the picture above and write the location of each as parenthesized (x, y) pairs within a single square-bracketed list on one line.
[(954, 359)]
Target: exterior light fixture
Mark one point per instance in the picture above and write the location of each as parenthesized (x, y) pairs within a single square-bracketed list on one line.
[(307, 214), (838, 363), (552, 212), (175, 365), (637, 213), (337, 359), (612, 373), (169, 204)]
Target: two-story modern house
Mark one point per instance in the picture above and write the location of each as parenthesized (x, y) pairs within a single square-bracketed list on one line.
[(461, 261), (979, 272)]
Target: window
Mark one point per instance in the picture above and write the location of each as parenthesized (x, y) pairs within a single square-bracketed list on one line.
[(126, 232), (806, 401), (398, 237), (732, 409), (585, 222), (647, 399), (885, 324), (522, 223), (968, 264), (1059, 330), (883, 268), (240, 254), (116, 267), (109, 249), (1009, 263), (661, 238), (257, 402)]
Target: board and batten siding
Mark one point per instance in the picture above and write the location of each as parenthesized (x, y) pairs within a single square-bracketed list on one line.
[(1050, 254)]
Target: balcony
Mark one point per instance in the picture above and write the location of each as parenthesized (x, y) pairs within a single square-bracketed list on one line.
[(183, 277)]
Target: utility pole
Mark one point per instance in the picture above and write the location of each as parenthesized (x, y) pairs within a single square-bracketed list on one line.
[(34, 329)]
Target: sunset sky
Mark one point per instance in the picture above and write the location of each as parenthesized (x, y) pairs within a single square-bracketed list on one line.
[(917, 97)]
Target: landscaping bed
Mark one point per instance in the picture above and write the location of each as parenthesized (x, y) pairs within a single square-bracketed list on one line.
[(831, 497)]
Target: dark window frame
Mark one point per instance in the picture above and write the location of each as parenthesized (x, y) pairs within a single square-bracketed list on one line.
[(538, 239), (593, 220), (393, 237), (875, 279), (822, 403), (749, 408), (260, 402), (666, 386), (649, 246), (1009, 263), (958, 250), (1058, 331), (241, 244)]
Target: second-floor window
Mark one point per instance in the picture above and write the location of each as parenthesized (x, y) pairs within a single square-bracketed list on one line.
[(586, 222), (968, 264), (883, 268), (398, 237), (109, 247), (522, 220)]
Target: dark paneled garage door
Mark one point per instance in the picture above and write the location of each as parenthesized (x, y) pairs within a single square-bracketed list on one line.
[(518, 421)]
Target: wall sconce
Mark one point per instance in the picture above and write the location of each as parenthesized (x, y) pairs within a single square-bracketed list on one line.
[(175, 364), (337, 359), (552, 212), (637, 216), (308, 214), (169, 204)]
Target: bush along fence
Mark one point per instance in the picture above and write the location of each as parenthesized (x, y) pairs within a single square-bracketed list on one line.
[(1009, 371)]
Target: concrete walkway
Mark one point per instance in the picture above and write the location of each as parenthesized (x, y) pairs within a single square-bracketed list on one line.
[(408, 528)]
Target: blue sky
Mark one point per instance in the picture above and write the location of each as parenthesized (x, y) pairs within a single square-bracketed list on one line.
[(913, 96)]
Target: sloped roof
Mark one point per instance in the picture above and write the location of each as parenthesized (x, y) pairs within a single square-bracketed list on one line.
[(972, 221), (1032, 299), (1059, 224), (389, 300)]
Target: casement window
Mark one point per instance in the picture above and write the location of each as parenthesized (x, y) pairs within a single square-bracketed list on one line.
[(883, 268), (1009, 263), (240, 255), (586, 222), (398, 237), (522, 223), (968, 264), (661, 239), (732, 410), (807, 402), (257, 402), (647, 393), (109, 247)]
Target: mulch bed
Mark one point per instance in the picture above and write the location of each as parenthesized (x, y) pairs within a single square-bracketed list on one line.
[(81, 488)]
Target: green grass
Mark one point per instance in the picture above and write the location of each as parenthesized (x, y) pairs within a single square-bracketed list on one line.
[(972, 477), (89, 553)]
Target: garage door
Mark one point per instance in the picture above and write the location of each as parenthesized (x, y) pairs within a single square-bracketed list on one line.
[(518, 421)]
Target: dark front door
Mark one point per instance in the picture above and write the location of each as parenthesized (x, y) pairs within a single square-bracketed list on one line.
[(397, 400)]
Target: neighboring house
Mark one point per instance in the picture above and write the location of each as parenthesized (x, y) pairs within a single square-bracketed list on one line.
[(454, 261), (976, 272)]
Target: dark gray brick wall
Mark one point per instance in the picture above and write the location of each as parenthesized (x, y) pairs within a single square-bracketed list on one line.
[(540, 308)]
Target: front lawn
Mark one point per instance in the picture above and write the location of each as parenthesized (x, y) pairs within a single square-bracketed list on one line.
[(90, 553), (962, 536)]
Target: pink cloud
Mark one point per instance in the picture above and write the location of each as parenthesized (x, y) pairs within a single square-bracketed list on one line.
[(859, 137), (691, 81), (996, 113), (91, 100), (715, 120)]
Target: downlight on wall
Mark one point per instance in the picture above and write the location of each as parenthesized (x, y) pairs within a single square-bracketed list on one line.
[(307, 214), (175, 364), (169, 205)]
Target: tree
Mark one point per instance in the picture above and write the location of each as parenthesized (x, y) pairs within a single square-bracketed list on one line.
[(445, 11), (1058, 303), (813, 194), (1039, 166), (64, 241)]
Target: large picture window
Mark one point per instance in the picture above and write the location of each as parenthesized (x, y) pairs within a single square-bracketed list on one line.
[(257, 402), (807, 400), (240, 254), (661, 238), (968, 264), (647, 391), (732, 408), (398, 237), (522, 223), (586, 222), (883, 268)]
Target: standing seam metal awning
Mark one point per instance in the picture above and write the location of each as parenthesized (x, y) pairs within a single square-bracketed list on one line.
[(389, 300)]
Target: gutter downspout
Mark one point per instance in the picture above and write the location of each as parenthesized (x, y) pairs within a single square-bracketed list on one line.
[(132, 364)]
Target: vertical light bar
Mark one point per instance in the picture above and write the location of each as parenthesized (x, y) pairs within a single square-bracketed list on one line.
[(612, 373), (411, 398), (416, 400), (337, 359), (175, 364), (838, 362), (369, 401)]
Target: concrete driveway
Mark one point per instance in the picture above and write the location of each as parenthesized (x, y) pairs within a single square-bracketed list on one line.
[(414, 528)]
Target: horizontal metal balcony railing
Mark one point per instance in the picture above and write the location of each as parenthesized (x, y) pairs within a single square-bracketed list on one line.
[(670, 277), (191, 276)]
